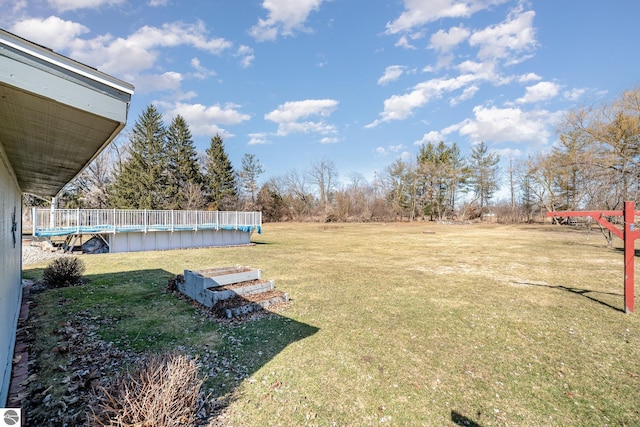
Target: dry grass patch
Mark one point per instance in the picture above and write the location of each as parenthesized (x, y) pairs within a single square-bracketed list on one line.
[(495, 325), (162, 391)]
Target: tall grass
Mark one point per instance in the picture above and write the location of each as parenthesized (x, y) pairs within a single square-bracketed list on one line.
[(400, 324)]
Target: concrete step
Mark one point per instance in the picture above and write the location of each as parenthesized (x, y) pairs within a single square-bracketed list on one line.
[(242, 288), (214, 277), (229, 291)]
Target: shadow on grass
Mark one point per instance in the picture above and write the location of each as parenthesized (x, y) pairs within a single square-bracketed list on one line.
[(461, 420), (636, 251), (579, 291), (136, 312)]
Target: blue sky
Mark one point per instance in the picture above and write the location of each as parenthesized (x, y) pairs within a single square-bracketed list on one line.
[(356, 82)]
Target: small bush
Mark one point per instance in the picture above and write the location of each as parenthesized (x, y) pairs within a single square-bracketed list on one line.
[(64, 271), (163, 391)]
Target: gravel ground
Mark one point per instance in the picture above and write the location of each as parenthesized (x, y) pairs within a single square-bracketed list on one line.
[(35, 254)]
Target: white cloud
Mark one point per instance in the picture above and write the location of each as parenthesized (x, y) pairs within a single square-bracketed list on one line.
[(174, 34), (514, 36), (11, 11), (391, 73), (329, 140), (285, 17), (481, 70), (431, 136), (287, 128), (466, 94), (404, 43), (539, 92), (400, 107), (498, 125), (389, 150), (529, 77), (52, 32), (444, 41), (289, 114), (574, 94), (245, 53), (130, 58), (158, 3), (65, 5), (169, 81), (419, 12), (259, 138), (205, 120), (381, 151), (201, 72)]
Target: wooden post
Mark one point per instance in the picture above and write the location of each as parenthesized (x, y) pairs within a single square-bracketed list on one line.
[(628, 234), (629, 255)]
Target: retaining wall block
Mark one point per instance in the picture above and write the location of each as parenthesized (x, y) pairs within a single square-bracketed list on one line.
[(208, 298), (189, 286)]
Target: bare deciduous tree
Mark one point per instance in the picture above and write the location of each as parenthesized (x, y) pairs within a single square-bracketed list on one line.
[(324, 175)]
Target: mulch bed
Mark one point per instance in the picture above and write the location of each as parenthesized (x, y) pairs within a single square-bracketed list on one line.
[(247, 299), (89, 362)]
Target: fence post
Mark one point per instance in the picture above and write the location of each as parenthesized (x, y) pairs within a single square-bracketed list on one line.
[(34, 217), (52, 215), (629, 255)]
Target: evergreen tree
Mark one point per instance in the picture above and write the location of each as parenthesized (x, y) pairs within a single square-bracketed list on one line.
[(570, 156), (182, 167), (527, 198), (401, 191), (442, 171), (271, 203), (251, 170), (220, 179), (141, 180), (484, 173)]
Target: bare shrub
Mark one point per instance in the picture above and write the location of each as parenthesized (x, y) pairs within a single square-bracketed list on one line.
[(64, 271), (163, 391)]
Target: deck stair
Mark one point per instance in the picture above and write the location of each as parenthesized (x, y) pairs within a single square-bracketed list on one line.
[(230, 291)]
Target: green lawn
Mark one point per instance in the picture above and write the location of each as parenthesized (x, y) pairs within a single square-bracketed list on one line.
[(396, 324)]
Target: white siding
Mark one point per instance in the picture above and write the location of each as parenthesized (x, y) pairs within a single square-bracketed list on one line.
[(10, 270)]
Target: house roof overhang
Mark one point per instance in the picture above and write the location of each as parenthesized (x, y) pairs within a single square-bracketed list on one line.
[(56, 114)]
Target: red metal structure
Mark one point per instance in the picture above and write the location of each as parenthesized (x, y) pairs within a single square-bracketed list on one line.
[(628, 235)]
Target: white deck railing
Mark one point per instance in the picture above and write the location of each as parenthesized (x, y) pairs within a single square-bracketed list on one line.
[(58, 222)]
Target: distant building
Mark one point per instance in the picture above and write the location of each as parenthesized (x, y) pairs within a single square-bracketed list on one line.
[(56, 115)]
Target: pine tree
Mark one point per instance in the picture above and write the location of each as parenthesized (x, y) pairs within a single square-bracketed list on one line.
[(484, 173), (443, 172), (141, 179), (220, 179), (184, 174), (400, 180)]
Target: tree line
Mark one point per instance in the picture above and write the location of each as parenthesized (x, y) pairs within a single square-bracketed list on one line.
[(593, 165), (158, 167)]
